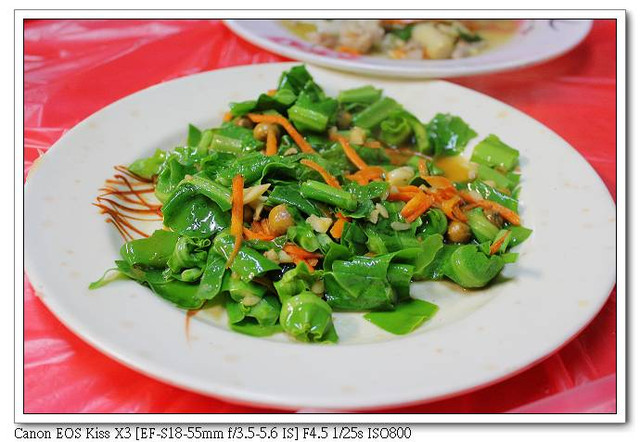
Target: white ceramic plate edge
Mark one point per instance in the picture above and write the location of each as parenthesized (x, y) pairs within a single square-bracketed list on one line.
[(361, 67)]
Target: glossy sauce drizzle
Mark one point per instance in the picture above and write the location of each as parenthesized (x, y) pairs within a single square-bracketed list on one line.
[(124, 201)]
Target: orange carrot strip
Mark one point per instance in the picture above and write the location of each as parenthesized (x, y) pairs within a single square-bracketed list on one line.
[(409, 188), (415, 207), (373, 144), (448, 205), (237, 210), (423, 169), (348, 50), (459, 214), (496, 245), (438, 182), (401, 196), (369, 173), (338, 226), (272, 92), (299, 252), (227, 117), (282, 121), (349, 151), (250, 234), (272, 143), (265, 227), (330, 179), (309, 262), (358, 179), (507, 214)]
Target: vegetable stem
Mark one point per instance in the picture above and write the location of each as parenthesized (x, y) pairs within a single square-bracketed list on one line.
[(327, 194)]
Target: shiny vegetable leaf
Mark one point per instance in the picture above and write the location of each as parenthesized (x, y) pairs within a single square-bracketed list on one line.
[(405, 318)]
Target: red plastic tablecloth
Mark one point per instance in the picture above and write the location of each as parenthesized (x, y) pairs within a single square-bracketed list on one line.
[(74, 68)]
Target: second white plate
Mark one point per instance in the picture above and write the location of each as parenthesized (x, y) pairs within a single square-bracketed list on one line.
[(534, 41)]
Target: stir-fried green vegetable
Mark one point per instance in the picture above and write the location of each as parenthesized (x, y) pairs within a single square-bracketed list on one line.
[(301, 204)]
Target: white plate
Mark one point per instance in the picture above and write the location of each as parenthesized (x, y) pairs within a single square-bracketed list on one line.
[(566, 270), (535, 41)]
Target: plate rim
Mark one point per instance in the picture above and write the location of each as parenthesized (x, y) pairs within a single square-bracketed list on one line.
[(391, 71)]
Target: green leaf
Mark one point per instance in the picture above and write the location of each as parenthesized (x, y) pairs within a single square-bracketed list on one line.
[(192, 214), (405, 318), (290, 195), (307, 318), (248, 263), (492, 152), (470, 268), (449, 134), (489, 193), (149, 167), (194, 136), (360, 284), (211, 281), (296, 281), (152, 252)]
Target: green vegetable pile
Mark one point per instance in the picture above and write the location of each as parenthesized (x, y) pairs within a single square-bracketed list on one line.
[(346, 223)]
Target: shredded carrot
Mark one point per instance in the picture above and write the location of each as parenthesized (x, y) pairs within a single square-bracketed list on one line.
[(265, 227), (448, 205), (507, 214), (496, 245), (423, 169), (373, 144), (272, 143), (271, 92), (250, 234), (369, 173), (348, 50), (282, 121), (399, 156), (338, 226), (401, 196), (349, 151), (330, 179), (415, 207), (311, 263), (237, 211), (408, 188), (459, 214), (438, 182), (227, 117), (294, 250), (402, 193)]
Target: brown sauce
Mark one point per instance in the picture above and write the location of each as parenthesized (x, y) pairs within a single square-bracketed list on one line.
[(123, 200)]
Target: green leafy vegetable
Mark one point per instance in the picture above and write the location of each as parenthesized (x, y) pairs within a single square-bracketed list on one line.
[(318, 225), (405, 318), (492, 152), (307, 318), (449, 134)]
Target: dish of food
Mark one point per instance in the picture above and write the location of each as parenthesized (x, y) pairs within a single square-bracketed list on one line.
[(406, 39), (300, 204), (416, 48), (475, 337)]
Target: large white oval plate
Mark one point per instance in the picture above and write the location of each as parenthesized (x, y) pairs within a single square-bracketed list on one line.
[(534, 42), (566, 270)]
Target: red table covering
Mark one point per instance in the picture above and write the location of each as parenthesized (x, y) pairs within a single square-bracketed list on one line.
[(74, 68)]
